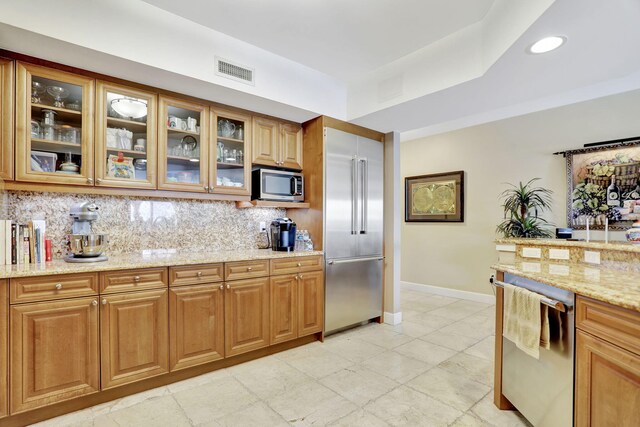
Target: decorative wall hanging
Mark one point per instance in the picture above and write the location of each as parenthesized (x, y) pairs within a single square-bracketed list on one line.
[(435, 198)]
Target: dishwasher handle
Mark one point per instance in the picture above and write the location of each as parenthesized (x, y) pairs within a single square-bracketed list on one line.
[(558, 305)]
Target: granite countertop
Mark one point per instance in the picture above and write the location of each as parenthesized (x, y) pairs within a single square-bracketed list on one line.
[(621, 288), (593, 244), (145, 259)]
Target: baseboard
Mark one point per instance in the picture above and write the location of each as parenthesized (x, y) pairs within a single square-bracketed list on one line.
[(393, 318), (447, 292)]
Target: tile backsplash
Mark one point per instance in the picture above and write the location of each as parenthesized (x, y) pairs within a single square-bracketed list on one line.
[(138, 223)]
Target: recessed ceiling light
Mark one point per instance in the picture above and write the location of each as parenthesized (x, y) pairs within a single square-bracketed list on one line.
[(547, 44)]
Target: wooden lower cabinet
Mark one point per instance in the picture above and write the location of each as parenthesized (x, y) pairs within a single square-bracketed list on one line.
[(310, 303), (54, 352), (284, 308), (196, 325), (246, 315), (607, 383), (135, 337), (4, 348)]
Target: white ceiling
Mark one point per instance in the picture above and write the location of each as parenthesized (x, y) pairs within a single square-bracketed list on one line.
[(342, 38)]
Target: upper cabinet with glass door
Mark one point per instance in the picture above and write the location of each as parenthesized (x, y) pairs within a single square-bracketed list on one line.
[(231, 158), (125, 137), (54, 126), (183, 145)]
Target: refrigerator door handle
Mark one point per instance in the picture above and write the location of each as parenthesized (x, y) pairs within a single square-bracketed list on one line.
[(364, 172), (346, 261), (354, 193)]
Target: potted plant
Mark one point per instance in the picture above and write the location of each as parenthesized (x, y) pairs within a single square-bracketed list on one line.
[(522, 204)]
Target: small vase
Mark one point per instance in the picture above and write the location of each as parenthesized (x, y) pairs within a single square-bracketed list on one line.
[(633, 234)]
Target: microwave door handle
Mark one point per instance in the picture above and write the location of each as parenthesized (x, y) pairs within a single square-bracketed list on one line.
[(354, 194), (364, 172), (292, 185)]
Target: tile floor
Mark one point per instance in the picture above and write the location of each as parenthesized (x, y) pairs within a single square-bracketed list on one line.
[(435, 369)]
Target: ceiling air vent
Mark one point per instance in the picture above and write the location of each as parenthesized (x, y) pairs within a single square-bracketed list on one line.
[(233, 71)]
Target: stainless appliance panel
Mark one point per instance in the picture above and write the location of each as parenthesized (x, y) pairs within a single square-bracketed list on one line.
[(542, 389), (371, 194), (353, 291), (271, 184), (341, 210)]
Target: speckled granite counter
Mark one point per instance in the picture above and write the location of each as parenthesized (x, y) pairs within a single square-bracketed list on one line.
[(621, 288), (144, 259), (559, 243)]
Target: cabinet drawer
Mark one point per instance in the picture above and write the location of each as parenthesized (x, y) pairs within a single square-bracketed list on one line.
[(133, 280), (196, 274), (296, 264), (246, 269), (43, 288), (614, 324)]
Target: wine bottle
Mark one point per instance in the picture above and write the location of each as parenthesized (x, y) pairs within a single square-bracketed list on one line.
[(613, 193)]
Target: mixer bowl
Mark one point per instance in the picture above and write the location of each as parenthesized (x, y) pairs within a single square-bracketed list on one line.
[(87, 245)]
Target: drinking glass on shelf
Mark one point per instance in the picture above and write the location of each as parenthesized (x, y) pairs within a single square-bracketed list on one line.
[(225, 156)]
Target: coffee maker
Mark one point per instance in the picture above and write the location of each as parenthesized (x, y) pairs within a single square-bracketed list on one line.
[(283, 234)]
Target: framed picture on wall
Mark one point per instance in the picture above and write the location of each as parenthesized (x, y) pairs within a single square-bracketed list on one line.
[(434, 198), (604, 183)]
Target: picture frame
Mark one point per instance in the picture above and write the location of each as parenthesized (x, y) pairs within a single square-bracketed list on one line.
[(435, 197), (589, 172)]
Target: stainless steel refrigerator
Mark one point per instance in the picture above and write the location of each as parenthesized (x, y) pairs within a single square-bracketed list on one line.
[(353, 229)]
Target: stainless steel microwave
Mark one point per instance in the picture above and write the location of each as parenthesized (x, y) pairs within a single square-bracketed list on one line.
[(271, 184)]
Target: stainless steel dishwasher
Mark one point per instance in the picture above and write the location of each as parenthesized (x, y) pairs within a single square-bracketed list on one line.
[(542, 389)]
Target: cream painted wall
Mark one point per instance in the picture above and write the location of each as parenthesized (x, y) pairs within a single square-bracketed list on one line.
[(458, 255)]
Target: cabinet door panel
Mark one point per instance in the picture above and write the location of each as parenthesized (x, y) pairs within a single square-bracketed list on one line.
[(265, 142), (231, 158), (4, 348), (310, 303), (54, 352), (135, 337), (246, 315), (291, 146), (196, 325), (284, 314), (607, 383), (6, 120)]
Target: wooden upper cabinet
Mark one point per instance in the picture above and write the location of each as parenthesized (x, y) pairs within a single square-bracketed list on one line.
[(196, 325), (4, 348), (54, 352), (290, 146), (284, 308), (6, 118), (607, 383), (183, 145), (310, 303), (277, 144), (231, 156), (54, 126), (265, 142), (126, 141), (246, 315), (134, 336)]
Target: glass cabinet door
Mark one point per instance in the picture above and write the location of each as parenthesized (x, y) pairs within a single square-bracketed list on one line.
[(231, 158), (126, 137), (54, 132), (6, 119), (183, 145)]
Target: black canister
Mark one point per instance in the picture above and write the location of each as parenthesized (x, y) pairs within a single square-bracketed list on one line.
[(283, 234)]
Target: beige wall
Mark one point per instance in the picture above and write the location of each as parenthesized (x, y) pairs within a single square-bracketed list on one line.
[(458, 255)]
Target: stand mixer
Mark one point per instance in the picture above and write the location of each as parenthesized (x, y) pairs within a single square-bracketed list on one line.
[(83, 244)]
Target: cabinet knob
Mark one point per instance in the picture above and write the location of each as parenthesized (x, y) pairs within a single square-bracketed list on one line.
[(89, 180), (98, 181), (228, 286), (58, 286), (221, 287), (104, 301), (299, 276), (94, 302), (199, 274), (206, 188), (136, 278), (249, 268), (299, 265)]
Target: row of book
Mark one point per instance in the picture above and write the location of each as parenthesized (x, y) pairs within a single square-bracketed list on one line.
[(24, 243)]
